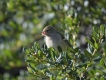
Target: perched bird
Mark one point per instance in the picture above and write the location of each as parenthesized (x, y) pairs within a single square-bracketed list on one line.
[(54, 39)]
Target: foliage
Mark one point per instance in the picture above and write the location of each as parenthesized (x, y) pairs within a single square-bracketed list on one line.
[(71, 64), (21, 23)]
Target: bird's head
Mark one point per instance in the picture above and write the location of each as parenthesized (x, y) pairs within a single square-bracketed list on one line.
[(48, 30)]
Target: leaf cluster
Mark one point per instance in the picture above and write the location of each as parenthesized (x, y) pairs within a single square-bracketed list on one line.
[(72, 64)]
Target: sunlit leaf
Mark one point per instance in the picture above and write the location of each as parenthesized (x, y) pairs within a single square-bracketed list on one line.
[(32, 68), (89, 42)]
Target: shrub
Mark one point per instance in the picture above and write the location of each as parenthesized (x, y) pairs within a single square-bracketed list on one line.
[(73, 64)]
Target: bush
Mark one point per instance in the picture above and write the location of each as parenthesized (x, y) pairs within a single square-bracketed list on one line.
[(21, 22), (73, 64)]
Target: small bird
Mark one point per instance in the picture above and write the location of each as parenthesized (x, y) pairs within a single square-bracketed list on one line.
[(54, 39)]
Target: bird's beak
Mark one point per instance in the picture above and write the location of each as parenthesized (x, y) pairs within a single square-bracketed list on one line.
[(43, 33)]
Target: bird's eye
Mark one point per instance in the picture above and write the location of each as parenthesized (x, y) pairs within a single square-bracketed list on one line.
[(47, 30)]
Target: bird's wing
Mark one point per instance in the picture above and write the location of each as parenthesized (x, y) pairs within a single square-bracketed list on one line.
[(65, 40)]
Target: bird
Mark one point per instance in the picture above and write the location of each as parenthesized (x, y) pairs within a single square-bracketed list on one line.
[(53, 38)]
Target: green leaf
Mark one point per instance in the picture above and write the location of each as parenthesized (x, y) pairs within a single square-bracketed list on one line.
[(76, 50), (41, 67), (102, 62), (52, 55), (90, 42), (30, 61), (102, 78), (96, 45), (92, 79), (92, 9), (102, 28), (59, 48), (32, 68), (39, 53), (82, 65), (73, 50), (12, 24), (87, 54), (97, 59), (2, 16)]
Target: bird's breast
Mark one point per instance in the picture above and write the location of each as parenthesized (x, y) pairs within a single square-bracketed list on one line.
[(52, 42), (49, 42)]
